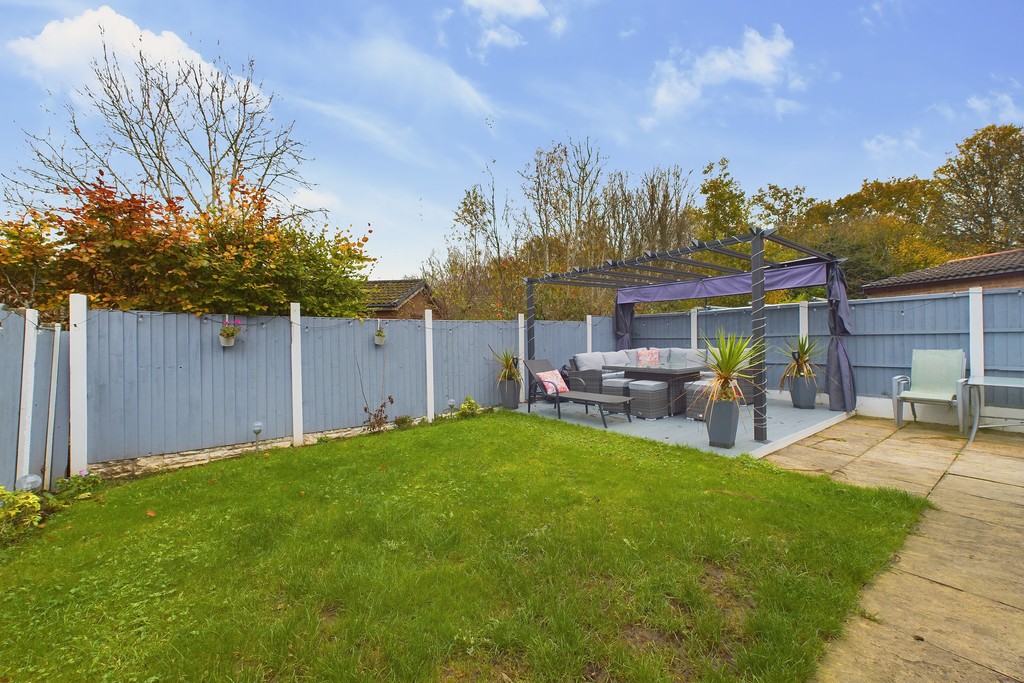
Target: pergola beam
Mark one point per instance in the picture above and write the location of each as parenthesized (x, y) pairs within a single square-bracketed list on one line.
[(702, 264)]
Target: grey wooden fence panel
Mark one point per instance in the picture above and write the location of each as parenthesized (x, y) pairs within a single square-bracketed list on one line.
[(161, 383), (1004, 343), (888, 330), (660, 330), (560, 340), (344, 371), (729, 321), (603, 333), (62, 411), (41, 400), (462, 360), (12, 334)]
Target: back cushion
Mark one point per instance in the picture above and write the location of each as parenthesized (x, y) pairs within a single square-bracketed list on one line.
[(649, 358), (632, 355), (617, 358), (688, 357), (553, 382), (589, 361)]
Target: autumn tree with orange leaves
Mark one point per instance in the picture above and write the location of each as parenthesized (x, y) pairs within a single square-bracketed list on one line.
[(132, 252)]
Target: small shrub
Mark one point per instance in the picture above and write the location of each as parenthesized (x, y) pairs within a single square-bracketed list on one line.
[(404, 422), (469, 407), (19, 512), (78, 486), (377, 421)]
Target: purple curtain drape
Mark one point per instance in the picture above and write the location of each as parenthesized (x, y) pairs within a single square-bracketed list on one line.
[(807, 275)]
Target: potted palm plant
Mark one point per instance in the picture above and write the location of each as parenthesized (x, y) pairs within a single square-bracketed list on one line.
[(509, 377), (799, 374), (729, 360)]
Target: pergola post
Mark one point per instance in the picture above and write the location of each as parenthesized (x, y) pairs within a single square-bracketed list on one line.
[(757, 333), (529, 319)]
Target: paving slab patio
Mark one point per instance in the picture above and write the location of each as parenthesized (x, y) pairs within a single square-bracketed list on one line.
[(951, 606)]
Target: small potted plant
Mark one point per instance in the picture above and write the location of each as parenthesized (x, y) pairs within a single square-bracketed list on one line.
[(729, 361), (229, 331), (378, 336), (799, 374), (509, 377)]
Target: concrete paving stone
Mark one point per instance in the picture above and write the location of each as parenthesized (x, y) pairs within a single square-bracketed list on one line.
[(975, 628), (998, 436), (800, 457), (932, 461), (991, 467), (982, 488), (873, 652), (894, 471), (994, 512), (1004, 449), (977, 569), (958, 529), (864, 478), (840, 444)]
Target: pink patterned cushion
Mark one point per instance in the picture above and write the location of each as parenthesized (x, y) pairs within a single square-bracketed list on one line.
[(553, 382), (648, 358)]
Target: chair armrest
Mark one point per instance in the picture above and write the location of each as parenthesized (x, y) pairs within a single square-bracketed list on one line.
[(591, 379), (575, 377), (899, 383)]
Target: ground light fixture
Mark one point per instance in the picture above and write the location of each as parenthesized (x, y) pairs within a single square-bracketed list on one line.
[(257, 427)]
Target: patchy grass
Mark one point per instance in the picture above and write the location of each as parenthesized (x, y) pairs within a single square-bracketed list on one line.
[(501, 547)]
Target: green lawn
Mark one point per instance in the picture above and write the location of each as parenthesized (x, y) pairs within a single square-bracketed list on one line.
[(504, 545)]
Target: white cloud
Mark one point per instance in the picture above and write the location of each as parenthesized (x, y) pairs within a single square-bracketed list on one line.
[(558, 25), (502, 36), (368, 126), (315, 198), (59, 56), (945, 111), (759, 60), (677, 85), (884, 147), (627, 33), (413, 75), (1000, 105), (440, 19), (494, 10)]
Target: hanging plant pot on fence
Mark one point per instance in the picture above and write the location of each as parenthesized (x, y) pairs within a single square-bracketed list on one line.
[(722, 421), (378, 339), (226, 341)]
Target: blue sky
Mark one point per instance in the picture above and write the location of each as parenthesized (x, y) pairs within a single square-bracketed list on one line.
[(403, 103)]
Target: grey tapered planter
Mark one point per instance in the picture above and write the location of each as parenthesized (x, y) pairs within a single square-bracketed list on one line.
[(509, 391), (723, 418), (803, 391)]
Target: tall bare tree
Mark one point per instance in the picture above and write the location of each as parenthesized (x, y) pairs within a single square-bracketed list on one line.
[(183, 128)]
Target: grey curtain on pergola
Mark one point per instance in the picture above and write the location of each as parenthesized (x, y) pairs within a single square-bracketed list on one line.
[(842, 390)]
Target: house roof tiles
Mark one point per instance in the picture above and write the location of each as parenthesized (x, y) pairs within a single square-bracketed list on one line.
[(390, 295), (968, 268)]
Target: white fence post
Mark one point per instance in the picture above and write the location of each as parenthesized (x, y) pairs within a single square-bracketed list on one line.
[(28, 387), (590, 333), (51, 410), (78, 311), (693, 328), (296, 325), (976, 315), (805, 320), (522, 356), (428, 345)]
